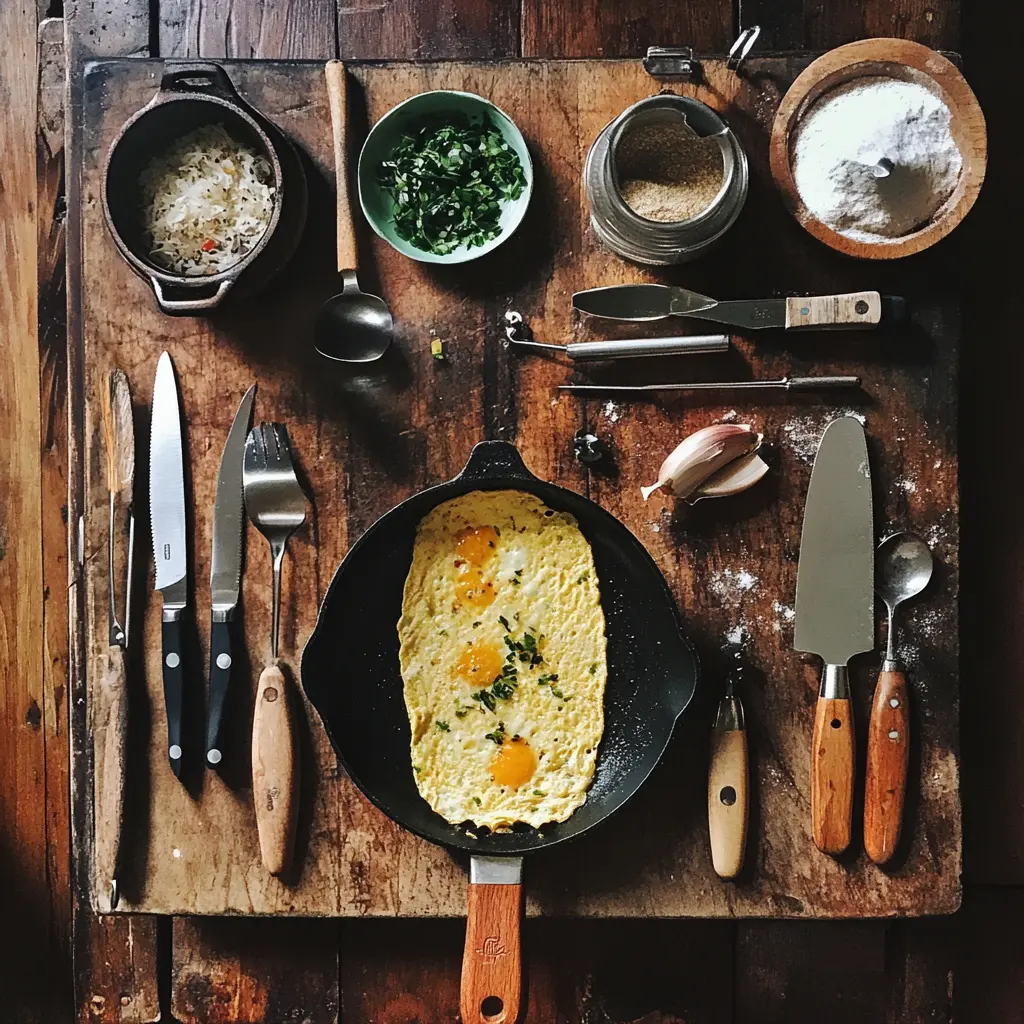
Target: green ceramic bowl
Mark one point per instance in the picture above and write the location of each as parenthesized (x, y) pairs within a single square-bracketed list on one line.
[(411, 114)]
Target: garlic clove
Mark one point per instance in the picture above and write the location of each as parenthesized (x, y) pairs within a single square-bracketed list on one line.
[(737, 476), (701, 455)]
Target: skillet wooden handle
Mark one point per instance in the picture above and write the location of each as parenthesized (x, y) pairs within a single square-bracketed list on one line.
[(274, 770), (110, 738), (832, 773), (337, 95), (727, 801), (885, 783), (855, 309), (492, 961)]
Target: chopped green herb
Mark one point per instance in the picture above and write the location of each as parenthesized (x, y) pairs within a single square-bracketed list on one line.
[(462, 712), (515, 582), (544, 680), (485, 697), (529, 641), (539, 792), (416, 768), (498, 736), (477, 623), (593, 668), (477, 801), (583, 576), (519, 572), (442, 632), (447, 182), (443, 726), (504, 622), (502, 689), (497, 530), (558, 693)]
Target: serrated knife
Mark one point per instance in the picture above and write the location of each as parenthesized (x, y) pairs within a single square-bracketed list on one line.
[(167, 518), (226, 571), (835, 615), (643, 302)]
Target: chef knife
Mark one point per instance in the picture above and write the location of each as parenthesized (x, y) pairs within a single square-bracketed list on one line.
[(226, 571), (167, 518), (835, 615), (657, 301)]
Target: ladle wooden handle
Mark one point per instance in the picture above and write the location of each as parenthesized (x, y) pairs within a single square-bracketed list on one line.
[(337, 95), (491, 962), (274, 770), (885, 782)]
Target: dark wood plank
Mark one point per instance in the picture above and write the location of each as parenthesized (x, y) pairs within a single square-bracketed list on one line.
[(116, 968), (813, 25), (988, 984), (994, 546), (607, 28), (402, 29), (252, 971), (615, 972)]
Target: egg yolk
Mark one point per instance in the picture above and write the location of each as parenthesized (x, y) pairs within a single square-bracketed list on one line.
[(514, 764), (472, 589), (475, 544), (479, 663)]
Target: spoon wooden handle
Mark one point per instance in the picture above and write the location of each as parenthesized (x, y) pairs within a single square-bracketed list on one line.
[(337, 95), (885, 782), (274, 770)]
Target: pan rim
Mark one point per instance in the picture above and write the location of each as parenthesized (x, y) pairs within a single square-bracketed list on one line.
[(532, 840)]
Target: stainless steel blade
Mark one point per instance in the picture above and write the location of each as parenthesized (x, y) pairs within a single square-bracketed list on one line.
[(167, 485), (639, 301), (835, 580), (229, 514), (753, 314)]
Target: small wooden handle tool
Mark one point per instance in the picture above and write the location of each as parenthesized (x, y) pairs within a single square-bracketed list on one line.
[(337, 95), (833, 767), (885, 782), (274, 769), (491, 989), (728, 798), (854, 309)]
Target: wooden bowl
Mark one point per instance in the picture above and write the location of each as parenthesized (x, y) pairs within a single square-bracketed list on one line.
[(910, 62)]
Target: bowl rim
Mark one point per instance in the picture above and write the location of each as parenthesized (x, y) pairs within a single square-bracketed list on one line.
[(459, 255), (868, 57)]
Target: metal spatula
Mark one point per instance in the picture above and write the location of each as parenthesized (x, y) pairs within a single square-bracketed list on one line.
[(276, 505)]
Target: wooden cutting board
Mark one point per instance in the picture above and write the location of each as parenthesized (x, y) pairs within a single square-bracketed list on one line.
[(366, 441)]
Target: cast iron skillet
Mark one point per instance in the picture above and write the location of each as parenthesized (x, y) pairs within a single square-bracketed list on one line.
[(351, 675)]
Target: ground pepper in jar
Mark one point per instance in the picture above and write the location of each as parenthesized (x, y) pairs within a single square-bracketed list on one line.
[(667, 172)]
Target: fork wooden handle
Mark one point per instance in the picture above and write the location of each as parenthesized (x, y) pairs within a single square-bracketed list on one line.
[(274, 769)]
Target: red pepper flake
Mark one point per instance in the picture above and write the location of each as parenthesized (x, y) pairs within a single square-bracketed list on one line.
[(209, 245)]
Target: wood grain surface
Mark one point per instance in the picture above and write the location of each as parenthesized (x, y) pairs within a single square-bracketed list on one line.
[(615, 971), (731, 564)]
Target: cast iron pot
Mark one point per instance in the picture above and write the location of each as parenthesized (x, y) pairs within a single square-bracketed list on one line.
[(191, 95)]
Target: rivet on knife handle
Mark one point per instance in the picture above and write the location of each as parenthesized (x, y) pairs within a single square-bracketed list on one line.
[(833, 763), (885, 782)]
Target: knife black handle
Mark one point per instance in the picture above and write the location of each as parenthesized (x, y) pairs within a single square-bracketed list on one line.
[(174, 689), (220, 679)]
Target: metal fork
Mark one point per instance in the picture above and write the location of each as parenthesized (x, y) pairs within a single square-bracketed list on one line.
[(273, 499)]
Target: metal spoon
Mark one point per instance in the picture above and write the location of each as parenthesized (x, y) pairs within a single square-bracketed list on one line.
[(351, 327), (903, 567)]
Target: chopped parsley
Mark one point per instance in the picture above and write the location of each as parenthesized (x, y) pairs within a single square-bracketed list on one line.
[(448, 181), (442, 632), (477, 623), (485, 697), (498, 736), (443, 726), (477, 801), (593, 668), (558, 693), (462, 712), (502, 689), (504, 622), (539, 792), (583, 577)]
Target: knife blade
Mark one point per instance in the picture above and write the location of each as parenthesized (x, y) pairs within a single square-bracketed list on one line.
[(645, 302), (226, 571), (835, 614), (167, 519)]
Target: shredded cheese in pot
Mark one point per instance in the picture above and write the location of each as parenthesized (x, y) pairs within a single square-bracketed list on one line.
[(206, 202)]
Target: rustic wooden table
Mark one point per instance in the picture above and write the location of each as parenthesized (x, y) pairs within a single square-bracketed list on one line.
[(60, 962)]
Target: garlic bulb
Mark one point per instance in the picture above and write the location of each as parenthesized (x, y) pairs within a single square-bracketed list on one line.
[(701, 455), (737, 476)]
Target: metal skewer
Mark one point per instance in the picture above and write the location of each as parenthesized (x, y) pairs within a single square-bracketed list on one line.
[(783, 384)]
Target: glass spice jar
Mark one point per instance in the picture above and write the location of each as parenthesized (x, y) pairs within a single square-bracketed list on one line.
[(663, 241)]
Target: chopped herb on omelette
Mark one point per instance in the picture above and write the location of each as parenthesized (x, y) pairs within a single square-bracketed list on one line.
[(503, 658)]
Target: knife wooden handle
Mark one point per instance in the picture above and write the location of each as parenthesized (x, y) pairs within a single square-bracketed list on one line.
[(337, 96), (174, 689), (491, 986), (110, 739), (854, 309), (728, 801), (885, 783), (274, 769), (832, 773)]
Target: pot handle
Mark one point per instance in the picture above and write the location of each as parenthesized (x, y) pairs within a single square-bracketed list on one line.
[(492, 971), (198, 76), (495, 459), (189, 305)]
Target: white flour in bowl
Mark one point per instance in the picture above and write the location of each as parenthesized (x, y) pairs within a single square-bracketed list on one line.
[(848, 131)]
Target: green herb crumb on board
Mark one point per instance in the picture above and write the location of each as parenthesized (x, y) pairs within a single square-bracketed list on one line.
[(447, 182)]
